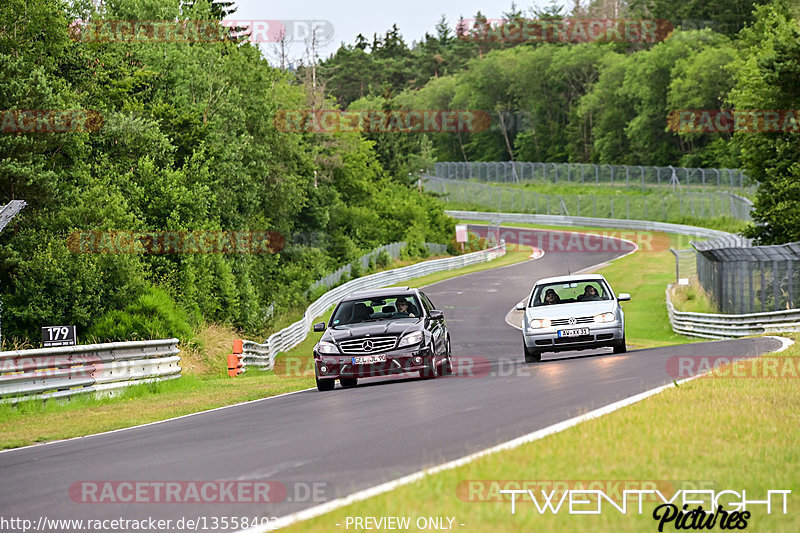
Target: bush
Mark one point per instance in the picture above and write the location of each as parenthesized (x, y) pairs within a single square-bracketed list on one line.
[(154, 315), (383, 259), (473, 244), (355, 269)]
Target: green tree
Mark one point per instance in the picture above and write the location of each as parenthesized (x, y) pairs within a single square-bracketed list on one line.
[(766, 79)]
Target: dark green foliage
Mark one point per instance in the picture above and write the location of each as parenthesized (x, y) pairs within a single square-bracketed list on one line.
[(188, 143), (767, 78), (154, 315), (383, 259)]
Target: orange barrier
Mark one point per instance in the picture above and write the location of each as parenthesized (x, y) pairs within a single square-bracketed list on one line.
[(236, 359)]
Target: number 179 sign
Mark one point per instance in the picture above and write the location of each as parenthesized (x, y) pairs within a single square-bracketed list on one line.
[(58, 336)]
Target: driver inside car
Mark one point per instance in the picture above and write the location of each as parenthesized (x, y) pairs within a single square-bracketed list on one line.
[(403, 308), (551, 298)]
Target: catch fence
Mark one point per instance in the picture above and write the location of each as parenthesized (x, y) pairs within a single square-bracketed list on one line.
[(585, 173)]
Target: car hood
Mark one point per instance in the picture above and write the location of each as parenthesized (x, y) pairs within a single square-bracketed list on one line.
[(372, 329), (575, 309)]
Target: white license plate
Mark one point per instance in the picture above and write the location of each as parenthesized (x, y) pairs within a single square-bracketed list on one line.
[(573, 332), (369, 359)]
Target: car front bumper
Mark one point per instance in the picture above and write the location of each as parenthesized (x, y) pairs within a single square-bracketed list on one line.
[(412, 359), (547, 339)]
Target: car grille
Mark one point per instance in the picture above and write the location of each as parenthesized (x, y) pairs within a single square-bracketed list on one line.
[(571, 340), (578, 320), (379, 344)]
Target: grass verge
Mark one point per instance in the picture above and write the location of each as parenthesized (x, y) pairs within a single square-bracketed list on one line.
[(718, 433), (692, 298)]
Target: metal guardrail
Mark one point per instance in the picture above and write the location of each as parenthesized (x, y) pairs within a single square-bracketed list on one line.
[(719, 326), (67, 370), (610, 223), (263, 355)]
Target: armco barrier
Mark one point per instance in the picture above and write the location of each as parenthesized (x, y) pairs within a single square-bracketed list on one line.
[(719, 326), (263, 355), (610, 223), (67, 370)]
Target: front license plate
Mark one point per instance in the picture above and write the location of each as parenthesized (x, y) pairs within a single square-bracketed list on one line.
[(573, 332), (369, 359)]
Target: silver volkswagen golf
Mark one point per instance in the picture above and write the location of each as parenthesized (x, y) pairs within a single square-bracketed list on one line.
[(578, 312)]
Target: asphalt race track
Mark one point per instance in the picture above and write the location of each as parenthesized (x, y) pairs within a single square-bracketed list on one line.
[(351, 439)]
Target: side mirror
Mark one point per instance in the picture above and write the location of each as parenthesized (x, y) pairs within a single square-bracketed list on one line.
[(319, 326), (435, 314), (520, 306), (624, 297)]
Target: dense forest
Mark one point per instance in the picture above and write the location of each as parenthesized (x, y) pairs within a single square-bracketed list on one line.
[(186, 144), (604, 101)]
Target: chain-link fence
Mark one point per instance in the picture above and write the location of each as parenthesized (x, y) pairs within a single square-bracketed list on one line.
[(685, 266), (579, 173), (666, 207), (750, 279)]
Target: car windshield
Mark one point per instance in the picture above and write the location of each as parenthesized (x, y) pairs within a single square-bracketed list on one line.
[(373, 309), (570, 292)]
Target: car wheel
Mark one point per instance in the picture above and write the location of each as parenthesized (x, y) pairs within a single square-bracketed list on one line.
[(348, 382), (621, 347), (325, 384), (430, 371), (531, 355), (447, 365)]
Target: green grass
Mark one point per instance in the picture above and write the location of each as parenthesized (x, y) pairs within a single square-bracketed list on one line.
[(601, 201), (646, 319), (709, 433), (692, 298), (617, 189)]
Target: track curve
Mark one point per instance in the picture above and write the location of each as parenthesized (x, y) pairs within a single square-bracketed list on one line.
[(348, 440)]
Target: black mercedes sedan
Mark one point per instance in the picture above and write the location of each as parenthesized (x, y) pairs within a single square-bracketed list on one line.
[(380, 332)]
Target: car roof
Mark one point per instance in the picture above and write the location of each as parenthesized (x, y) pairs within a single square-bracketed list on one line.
[(572, 278), (379, 293)]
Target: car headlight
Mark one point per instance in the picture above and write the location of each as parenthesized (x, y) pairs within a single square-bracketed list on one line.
[(537, 323), (411, 339), (605, 317), (327, 347)]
